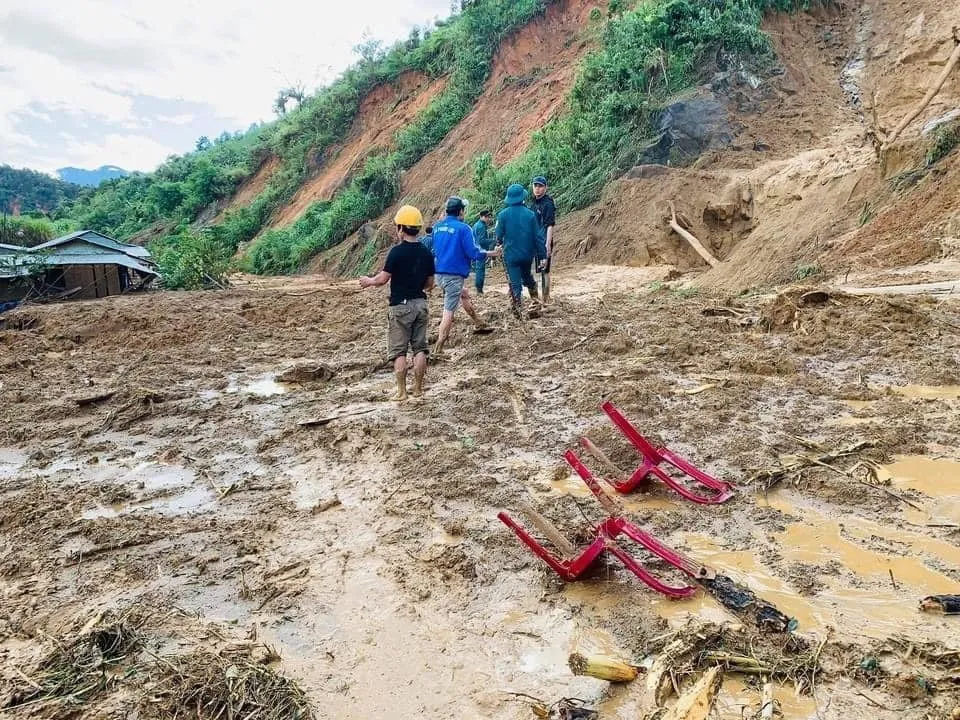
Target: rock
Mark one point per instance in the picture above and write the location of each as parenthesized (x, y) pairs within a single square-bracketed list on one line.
[(916, 29), (691, 127), (307, 373), (642, 172), (931, 125)]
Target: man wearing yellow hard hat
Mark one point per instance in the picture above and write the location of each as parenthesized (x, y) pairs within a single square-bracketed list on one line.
[(409, 269)]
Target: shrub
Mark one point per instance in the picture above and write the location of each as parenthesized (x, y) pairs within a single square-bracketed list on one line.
[(26, 231), (192, 260), (945, 139)]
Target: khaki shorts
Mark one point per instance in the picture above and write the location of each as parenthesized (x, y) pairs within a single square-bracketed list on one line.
[(407, 326)]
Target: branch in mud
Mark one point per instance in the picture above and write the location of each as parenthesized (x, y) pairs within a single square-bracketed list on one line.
[(694, 649), (691, 238), (790, 467), (931, 93)]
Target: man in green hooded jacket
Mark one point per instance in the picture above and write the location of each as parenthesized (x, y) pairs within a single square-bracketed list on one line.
[(518, 231)]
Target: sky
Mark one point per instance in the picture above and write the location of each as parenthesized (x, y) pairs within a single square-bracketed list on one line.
[(128, 82)]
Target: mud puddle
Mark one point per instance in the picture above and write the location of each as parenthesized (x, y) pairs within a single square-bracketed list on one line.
[(191, 501), (937, 478), (265, 385), (11, 461), (929, 392)]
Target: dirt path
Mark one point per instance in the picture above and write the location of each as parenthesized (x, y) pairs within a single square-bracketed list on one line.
[(149, 453)]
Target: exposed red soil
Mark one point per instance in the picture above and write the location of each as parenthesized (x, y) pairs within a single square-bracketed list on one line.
[(251, 187), (531, 78), (387, 109)]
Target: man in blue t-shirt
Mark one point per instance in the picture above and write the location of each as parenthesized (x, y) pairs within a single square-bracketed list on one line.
[(483, 240), (454, 250)]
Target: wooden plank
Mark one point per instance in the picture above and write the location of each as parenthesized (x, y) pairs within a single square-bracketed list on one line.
[(101, 280), (113, 279)]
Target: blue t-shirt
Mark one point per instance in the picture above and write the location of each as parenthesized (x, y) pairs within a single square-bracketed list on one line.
[(454, 248)]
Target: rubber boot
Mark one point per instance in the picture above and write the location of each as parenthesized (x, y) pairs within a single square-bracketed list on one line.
[(401, 386), (418, 383), (534, 293), (515, 307)]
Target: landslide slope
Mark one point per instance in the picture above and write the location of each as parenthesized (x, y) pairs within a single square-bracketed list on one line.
[(785, 183)]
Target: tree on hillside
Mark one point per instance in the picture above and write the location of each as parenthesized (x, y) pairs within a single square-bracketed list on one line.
[(296, 92), (26, 191)]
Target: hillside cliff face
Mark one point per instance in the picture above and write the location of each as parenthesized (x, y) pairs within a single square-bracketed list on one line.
[(792, 185), (759, 121)]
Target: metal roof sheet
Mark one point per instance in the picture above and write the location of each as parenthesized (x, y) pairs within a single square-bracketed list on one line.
[(92, 236)]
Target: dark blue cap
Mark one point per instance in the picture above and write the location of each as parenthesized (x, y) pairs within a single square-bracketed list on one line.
[(540, 180)]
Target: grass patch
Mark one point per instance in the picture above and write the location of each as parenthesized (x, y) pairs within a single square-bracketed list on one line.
[(806, 271), (211, 686)]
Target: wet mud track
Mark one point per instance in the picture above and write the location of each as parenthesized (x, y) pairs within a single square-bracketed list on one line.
[(149, 455)]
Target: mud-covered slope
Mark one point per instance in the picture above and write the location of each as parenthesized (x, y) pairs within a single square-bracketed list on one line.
[(794, 188), (801, 189)]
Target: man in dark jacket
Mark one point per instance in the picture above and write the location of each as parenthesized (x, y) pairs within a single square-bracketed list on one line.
[(484, 242), (546, 212), (519, 234)]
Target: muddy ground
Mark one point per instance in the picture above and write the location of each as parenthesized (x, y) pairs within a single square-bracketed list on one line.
[(151, 458)]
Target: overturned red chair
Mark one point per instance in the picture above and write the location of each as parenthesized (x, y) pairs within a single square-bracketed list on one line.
[(653, 460), (571, 563)]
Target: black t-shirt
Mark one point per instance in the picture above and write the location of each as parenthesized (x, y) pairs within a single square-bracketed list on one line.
[(410, 265), (546, 211)]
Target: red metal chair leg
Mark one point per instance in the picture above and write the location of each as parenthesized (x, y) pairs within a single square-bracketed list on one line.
[(648, 579), (653, 457), (674, 557), (567, 569)]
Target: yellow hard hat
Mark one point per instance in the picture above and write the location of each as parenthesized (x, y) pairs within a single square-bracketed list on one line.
[(408, 216)]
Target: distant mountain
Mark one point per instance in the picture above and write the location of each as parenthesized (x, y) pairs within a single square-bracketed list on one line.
[(25, 191), (91, 178)]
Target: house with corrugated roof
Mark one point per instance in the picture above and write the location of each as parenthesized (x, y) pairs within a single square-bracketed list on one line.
[(82, 265)]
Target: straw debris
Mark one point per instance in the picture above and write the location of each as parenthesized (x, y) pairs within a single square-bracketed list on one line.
[(81, 667), (206, 685)]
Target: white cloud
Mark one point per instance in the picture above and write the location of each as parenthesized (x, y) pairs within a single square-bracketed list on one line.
[(93, 56), (184, 119)]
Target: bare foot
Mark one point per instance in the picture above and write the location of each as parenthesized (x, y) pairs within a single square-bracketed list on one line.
[(400, 397)]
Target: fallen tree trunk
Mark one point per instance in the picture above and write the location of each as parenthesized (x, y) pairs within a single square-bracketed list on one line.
[(937, 85), (691, 238)]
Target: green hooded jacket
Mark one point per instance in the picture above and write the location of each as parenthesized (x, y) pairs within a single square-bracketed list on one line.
[(518, 230)]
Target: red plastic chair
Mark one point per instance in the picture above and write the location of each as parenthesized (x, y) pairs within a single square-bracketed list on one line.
[(571, 567), (653, 458)]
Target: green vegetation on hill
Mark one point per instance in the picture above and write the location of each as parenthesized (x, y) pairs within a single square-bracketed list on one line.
[(466, 46), (649, 55), (32, 191), (28, 231)]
